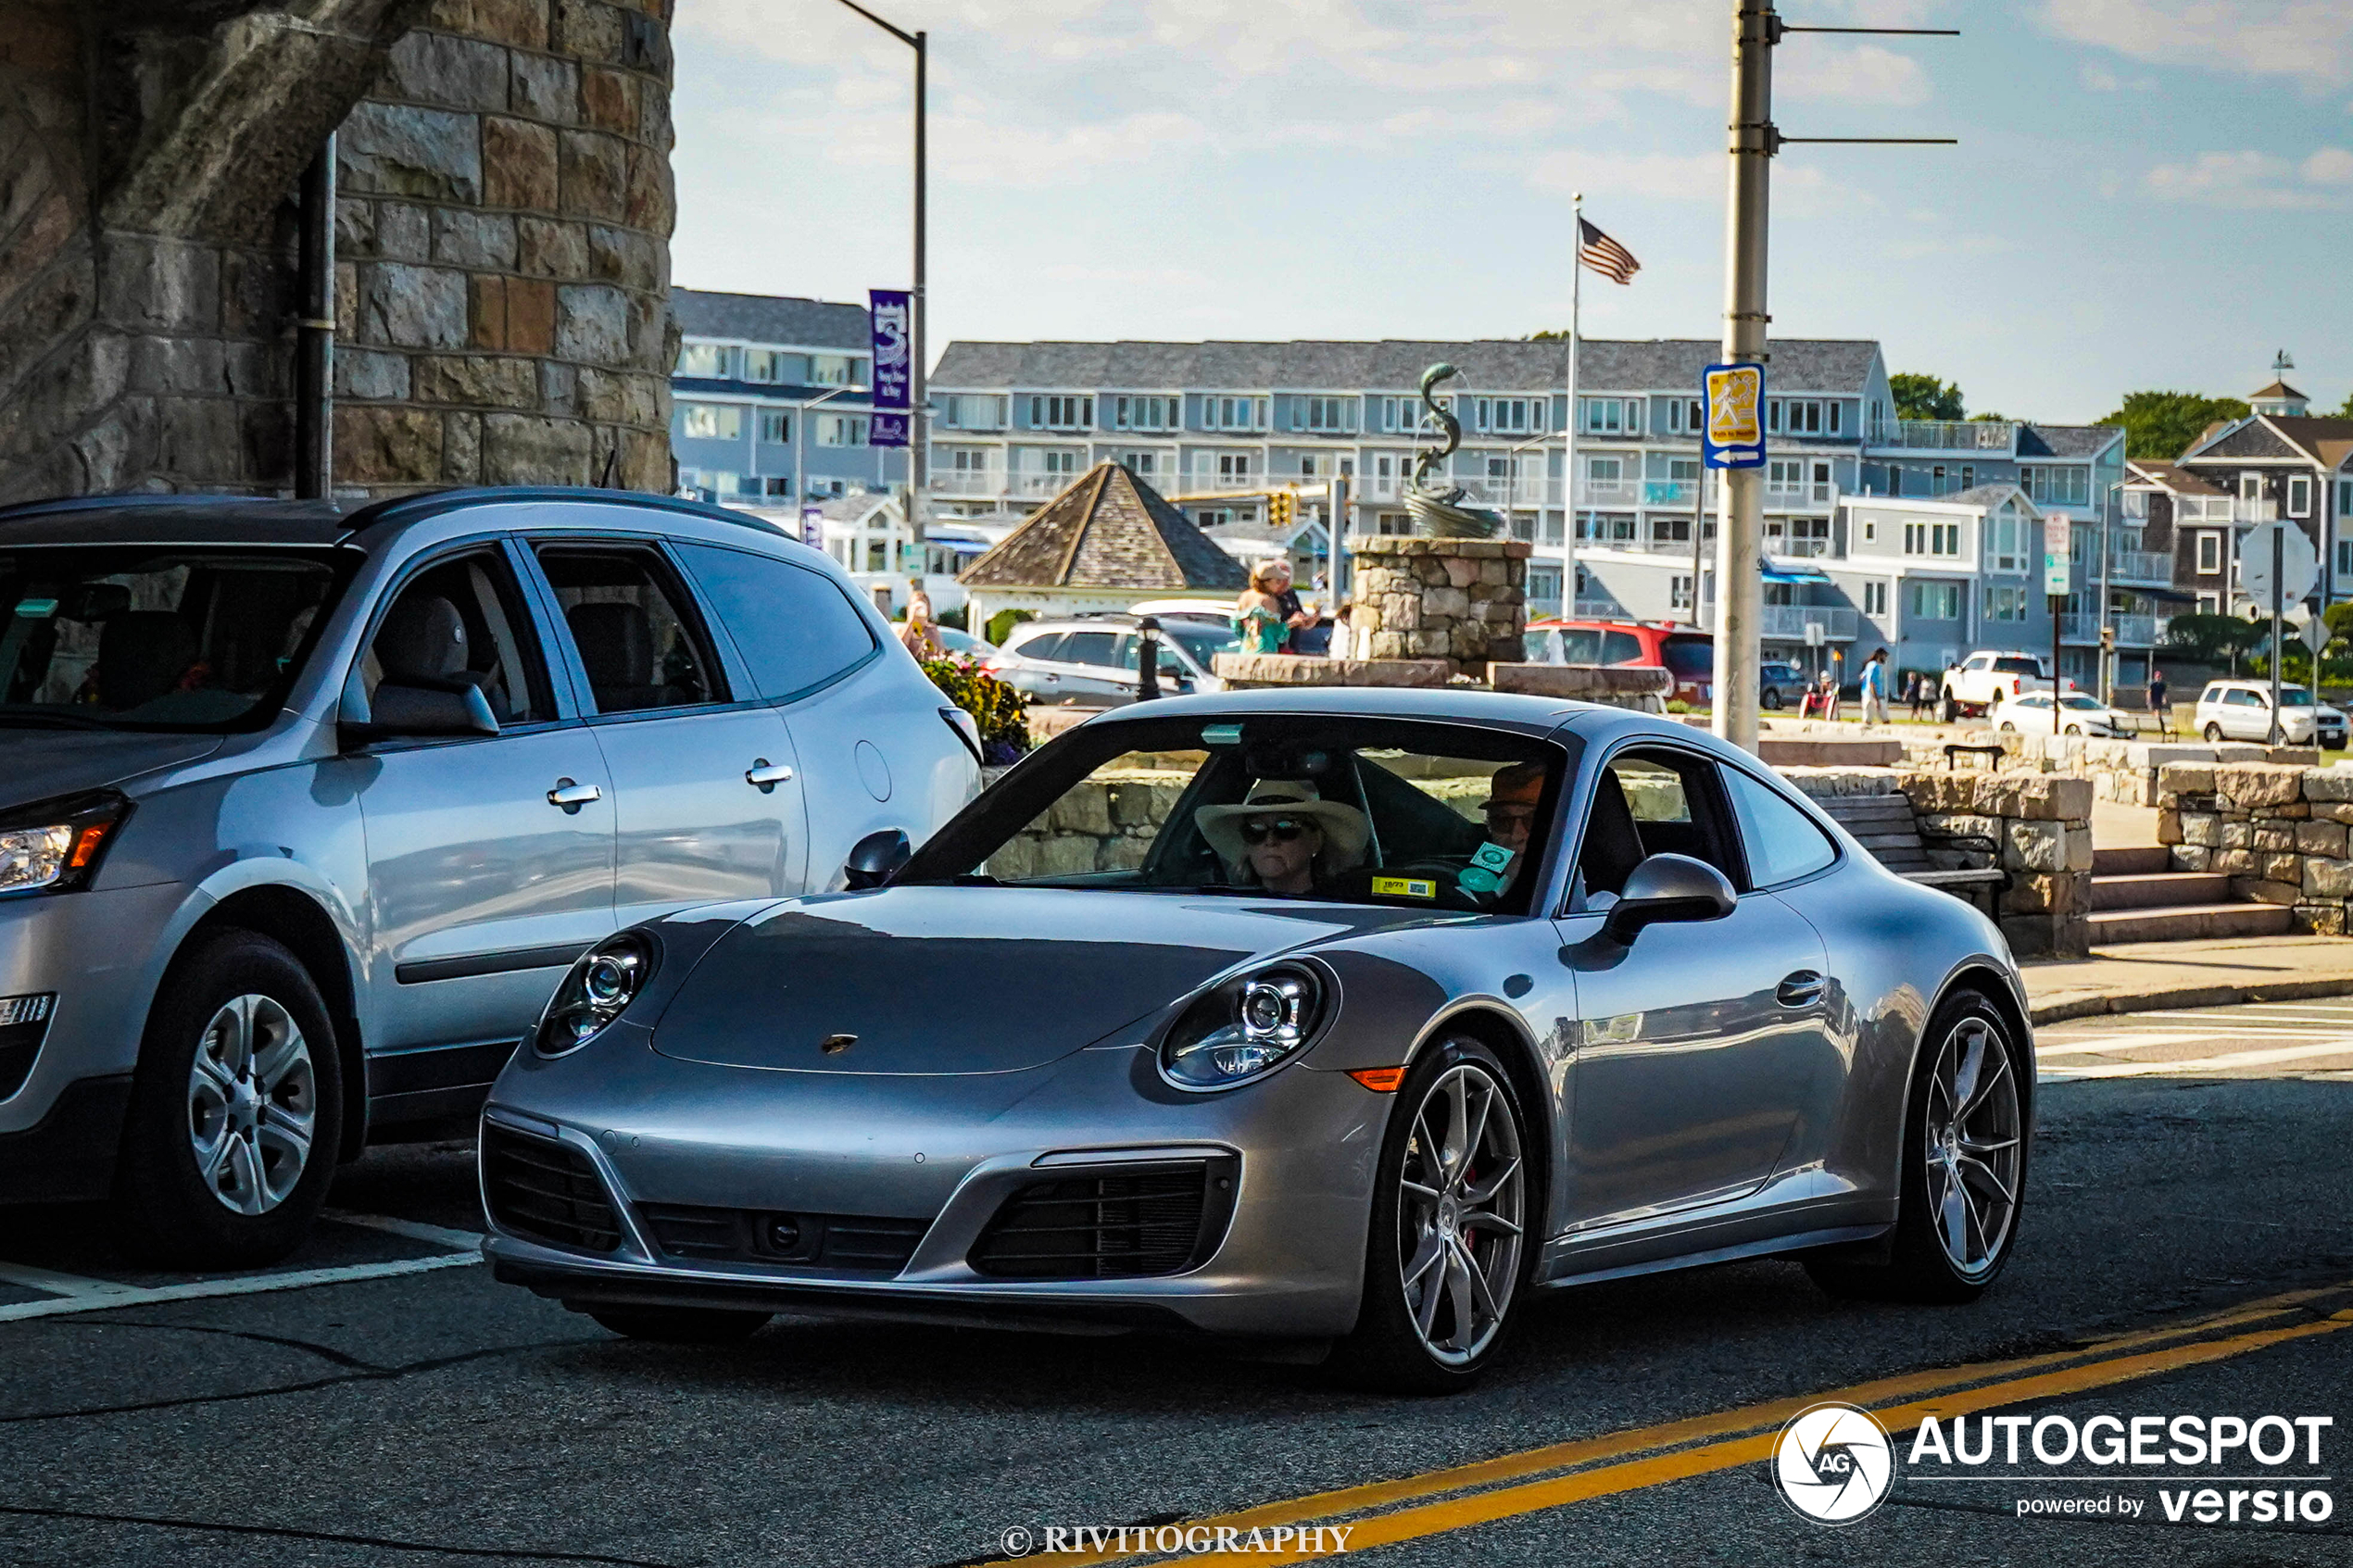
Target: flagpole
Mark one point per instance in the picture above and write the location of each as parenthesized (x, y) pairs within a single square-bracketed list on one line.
[(1568, 429)]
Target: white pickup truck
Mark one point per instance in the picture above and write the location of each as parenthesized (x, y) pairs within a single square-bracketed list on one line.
[(1972, 687)]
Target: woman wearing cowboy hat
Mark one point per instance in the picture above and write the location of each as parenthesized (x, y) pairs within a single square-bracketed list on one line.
[(1284, 835)]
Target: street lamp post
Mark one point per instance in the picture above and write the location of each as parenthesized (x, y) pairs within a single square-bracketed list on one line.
[(918, 413), (800, 444)]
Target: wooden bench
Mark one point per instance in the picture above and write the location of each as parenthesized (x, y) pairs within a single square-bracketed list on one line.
[(1992, 751), (1886, 825)]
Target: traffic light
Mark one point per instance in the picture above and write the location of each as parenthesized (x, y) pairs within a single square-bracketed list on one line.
[(1282, 508)]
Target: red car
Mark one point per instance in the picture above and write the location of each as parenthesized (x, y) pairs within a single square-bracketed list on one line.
[(1688, 656)]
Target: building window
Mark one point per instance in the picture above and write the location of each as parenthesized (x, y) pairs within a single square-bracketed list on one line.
[(2005, 603), (1234, 413), (1233, 468), (2210, 604), (1932, 538), (2008, 537), (1512, 416), (1800, 416), (1062, 413), (1870, 529), (711, 421), (2136, 503), (974, 411), (1678, 592), (2050, 486), (1143, 465), (2344, 562), (2299, 494), (1686, 416), (1875, 600), (1933, 601), (706, 359), (1330, 416), (2210, 552), (841, 430), (2344, 497), (1061, 462), (1392, 522), (1613, 416), (1145, 413), (760, 365), (775, 426), (2250, 487), (836, 370)]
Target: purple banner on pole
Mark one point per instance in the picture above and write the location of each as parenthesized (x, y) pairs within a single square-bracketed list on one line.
[(894, 379)]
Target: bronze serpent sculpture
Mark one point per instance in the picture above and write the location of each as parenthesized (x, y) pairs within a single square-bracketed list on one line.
[(1437, 507)]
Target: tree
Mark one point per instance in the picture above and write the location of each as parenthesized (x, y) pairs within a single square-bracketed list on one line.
[(2213, 639), (1925, 397), (2346, 412), (2162, 424)]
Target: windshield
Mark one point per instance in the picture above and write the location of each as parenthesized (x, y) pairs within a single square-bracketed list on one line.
[(148, 637), (1346, 811), (2295, 696), (1691, 657)]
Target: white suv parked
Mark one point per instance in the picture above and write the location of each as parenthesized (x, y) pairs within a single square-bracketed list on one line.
[(2242, 710)]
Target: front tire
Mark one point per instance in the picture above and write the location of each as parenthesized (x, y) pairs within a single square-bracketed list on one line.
[(681, 1325), (235, 1120), (1947, 710), (1772, 701), (1447, 1259), (1964, 1166), (2213, 735)]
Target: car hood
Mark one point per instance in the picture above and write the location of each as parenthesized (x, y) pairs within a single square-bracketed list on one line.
[(42, 764), (950, 980)]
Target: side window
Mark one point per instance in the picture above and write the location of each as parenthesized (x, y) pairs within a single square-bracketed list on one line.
[(1650, 803), (1782, 845), (796, 628), (462, 620), (628, 620), (1045, 646), (1090, 647), (1581, 645), (1621, 647)]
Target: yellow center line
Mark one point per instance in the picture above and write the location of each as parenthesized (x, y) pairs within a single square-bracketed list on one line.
[(1942, 1381)]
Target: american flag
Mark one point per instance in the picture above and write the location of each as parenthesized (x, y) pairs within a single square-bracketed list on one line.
[(1604, 255)]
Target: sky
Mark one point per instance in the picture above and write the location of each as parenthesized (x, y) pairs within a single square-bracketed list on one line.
[(2147, 194)]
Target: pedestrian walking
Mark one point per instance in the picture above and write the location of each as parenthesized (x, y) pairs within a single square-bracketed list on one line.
[(1919, 694), (1873, 689), (2157, 702)]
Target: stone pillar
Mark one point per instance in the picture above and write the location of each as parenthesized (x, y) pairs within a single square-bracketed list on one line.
[(1462, 600)]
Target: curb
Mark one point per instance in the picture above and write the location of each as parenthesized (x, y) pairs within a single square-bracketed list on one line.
[(2063, 1007)]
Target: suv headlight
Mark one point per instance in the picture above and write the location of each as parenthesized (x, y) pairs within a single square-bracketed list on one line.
[(1248, 1026), (599, 987), (54, 846)]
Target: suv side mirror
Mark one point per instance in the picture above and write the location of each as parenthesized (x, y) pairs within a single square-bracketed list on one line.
[(875, 858), (1666, 889), (399, 711)]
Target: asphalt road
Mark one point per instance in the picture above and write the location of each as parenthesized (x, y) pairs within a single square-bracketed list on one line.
[(408, 1411)]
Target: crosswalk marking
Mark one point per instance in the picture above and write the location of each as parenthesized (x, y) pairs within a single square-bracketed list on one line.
[(2236, 1040)]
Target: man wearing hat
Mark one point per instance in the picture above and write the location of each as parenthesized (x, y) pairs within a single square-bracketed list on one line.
[(1284, 835)]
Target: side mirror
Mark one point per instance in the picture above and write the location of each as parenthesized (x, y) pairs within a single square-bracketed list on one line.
[(420, 712), (875, 858), (1666, 889)]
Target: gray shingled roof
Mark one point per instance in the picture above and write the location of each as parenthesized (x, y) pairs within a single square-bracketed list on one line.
[(770, 319), (2255, 438), (1109, 530), (2066, 441), (1488, 365)]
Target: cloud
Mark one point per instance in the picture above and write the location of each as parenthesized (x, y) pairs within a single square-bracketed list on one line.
[(2253, 180), (1864, 74), (2311, 40)]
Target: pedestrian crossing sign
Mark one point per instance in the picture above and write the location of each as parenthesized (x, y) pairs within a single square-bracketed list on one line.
[(1734, 437)]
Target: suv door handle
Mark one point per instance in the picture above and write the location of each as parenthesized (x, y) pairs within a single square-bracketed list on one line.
[(1801, 989), (572, 797), (764, 775)]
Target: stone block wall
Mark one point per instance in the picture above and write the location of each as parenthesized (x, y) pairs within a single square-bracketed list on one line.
[(2040, 824), (502, 292), (2278, 832), (1462, 600)]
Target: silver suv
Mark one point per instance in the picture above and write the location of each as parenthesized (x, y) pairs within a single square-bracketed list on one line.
[(304, 814), (1091, 659)]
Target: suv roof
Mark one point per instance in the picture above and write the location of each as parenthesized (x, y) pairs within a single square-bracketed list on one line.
[(264, 520)]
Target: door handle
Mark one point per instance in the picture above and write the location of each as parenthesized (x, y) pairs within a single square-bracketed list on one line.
[(1802, 988), (764, 775), (572, 797)]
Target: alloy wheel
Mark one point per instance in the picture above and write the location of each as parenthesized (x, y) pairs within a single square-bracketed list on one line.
[(1459, 1214), (253, 1104), (1972, 1146)]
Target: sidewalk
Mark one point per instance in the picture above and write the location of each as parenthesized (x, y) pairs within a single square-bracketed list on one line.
[(2155, 976)]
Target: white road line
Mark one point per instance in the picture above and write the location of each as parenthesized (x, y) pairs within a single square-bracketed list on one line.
[(57, 1284), (2201, 1064), (241, 1284), (414, 1230)]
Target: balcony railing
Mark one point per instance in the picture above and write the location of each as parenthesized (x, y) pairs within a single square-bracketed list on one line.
[(2210, 510), (1809, 496), (2131, 630), (2139, 566), (1946, 436), (1788, 623)]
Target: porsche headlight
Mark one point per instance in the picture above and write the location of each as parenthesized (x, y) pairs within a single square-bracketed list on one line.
[(1247, 1026), (601, 983)]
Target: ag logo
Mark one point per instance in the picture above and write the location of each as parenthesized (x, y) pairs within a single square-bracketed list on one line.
[(1833, 1463)]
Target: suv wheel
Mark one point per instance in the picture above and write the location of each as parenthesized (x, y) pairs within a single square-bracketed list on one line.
[(236, 1111), (2213, 733)]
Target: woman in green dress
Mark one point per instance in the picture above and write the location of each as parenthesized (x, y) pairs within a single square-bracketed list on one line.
[(1258, 614)]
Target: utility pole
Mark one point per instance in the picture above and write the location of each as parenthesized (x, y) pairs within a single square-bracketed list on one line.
[(1740, 528), (1568, 426), (314, 467)]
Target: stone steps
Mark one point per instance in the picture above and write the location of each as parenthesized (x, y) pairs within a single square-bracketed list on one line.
[(2159, 890), (2138, 859), (2189, 922)]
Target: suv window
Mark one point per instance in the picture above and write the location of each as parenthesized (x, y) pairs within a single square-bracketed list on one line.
[(2242, 699), (1581, 645), (462, 620), (627, 619), (1045, 646), (2211, 693), (1090, 647), (1621, 647), (794, 627)]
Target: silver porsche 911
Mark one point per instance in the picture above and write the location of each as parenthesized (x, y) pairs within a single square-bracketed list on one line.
[(1348, 1018)]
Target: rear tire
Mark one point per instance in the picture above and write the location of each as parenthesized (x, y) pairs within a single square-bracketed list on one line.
[(1947, 710), (2213, 735), (235, 1120), (1447, 1259), (1963, 1179), (1772, 701), (681, 1325)]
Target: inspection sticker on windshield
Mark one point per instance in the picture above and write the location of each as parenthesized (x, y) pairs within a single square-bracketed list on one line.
[(36, 610), (1404, 887)]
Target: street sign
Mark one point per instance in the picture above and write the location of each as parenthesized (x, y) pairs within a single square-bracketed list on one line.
[(1734, 437), (2057, 536), (812, 527), (1816, 633), (2299, 563), (2316, 634)]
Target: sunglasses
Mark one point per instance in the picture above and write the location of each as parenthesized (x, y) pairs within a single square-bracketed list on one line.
[(1282, 830), (1509, 813)]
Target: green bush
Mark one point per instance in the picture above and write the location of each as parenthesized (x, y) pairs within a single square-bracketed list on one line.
[(1000, 710), (1001, 624)]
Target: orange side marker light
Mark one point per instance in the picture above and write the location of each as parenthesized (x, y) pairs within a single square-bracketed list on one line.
[(1380, 1080)]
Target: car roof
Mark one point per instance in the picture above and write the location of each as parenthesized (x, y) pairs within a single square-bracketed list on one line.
[(263, 520)]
